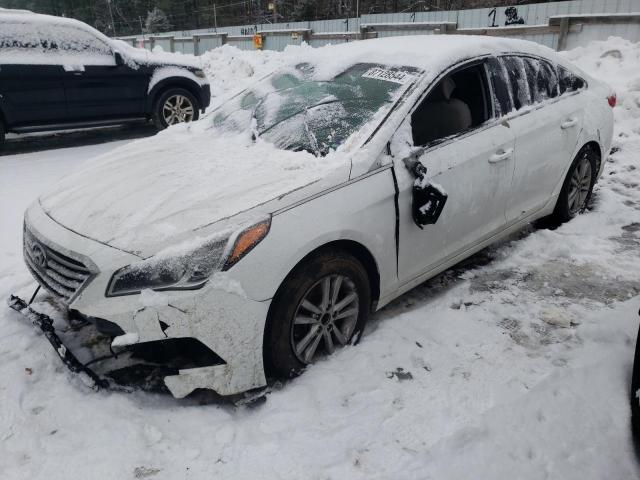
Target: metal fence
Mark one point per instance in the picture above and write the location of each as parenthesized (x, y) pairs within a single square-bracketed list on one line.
[(559, 25)]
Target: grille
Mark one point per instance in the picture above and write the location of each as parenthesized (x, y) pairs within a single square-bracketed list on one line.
[(60, 274)]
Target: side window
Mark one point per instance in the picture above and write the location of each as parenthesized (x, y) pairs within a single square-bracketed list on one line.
[(77, 41), (51, 44), (500, 83), (16, 37), (518, 79), (542, 79), (459, 102), (569, 81)]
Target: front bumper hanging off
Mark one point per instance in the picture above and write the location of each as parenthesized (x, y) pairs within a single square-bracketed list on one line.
[(45, 323)]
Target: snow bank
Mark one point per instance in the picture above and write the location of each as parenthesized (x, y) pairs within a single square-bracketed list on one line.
[(616, 62), (229, 68)]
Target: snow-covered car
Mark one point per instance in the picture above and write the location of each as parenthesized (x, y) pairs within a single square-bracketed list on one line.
[(59, 73), (263, 237)]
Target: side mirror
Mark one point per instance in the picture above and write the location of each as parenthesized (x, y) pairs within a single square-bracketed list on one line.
[(119, 59), (428, 199)]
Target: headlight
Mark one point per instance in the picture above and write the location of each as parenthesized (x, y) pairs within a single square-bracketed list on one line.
[(199, 73), (190, 270)]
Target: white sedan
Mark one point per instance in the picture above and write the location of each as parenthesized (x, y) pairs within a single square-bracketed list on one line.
[(262, 237)]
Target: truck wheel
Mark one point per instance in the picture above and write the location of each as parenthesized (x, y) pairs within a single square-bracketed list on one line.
[(175, 105), (321, 306)]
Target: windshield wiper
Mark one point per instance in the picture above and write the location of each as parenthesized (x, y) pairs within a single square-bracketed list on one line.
[(313, 141)]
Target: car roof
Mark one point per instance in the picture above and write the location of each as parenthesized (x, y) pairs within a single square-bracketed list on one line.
[(426, 52), (27, 16)]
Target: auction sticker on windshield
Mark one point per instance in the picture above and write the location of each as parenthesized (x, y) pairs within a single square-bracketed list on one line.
[(396, 76)]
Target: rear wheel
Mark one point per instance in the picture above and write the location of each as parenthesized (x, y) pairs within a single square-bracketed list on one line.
[(175, 105), (321, 307), (578, 186)]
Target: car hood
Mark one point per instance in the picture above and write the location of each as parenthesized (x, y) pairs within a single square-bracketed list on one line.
[(144, 196), (155, 58)]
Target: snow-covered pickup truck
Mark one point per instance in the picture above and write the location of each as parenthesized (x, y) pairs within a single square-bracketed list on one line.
[(306, 202), (59, 73)]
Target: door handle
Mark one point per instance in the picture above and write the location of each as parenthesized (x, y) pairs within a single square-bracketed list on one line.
[(501, 157), (572, 122)]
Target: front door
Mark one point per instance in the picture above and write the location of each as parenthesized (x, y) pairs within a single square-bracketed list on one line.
[(98, 87), (470, 158)]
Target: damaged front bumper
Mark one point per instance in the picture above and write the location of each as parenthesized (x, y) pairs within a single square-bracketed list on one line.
[(45, 324), (219, 319)]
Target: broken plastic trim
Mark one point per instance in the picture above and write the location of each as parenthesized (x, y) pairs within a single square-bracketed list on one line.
[(45, 323)]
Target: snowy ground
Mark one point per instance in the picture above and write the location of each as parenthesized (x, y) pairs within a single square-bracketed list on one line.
[(514, 365)]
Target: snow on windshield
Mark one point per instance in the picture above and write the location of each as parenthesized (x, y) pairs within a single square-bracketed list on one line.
[(295, 111)]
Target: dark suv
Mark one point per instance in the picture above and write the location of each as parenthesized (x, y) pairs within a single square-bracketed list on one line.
[(58, 73)]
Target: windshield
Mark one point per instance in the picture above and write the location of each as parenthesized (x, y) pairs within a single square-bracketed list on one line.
[(295, 112)]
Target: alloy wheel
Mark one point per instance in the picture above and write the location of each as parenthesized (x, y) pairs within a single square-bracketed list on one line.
[(327, 315), (580, 186), (177, 109)]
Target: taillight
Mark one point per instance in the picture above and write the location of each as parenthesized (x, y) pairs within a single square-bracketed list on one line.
[(612, 99)]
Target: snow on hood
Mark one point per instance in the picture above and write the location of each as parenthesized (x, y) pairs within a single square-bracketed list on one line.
[(143, 196), (157, 57)]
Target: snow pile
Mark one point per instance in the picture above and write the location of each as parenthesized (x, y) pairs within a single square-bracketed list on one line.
[(229, 68), (616, 62), (515, 364)]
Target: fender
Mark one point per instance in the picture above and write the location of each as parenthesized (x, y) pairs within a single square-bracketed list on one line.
[(183, 79)]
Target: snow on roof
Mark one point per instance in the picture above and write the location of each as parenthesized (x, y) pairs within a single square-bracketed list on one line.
[(14, 11), (426, 52)]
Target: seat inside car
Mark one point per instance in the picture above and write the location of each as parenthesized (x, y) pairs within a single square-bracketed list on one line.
[(456, 104)]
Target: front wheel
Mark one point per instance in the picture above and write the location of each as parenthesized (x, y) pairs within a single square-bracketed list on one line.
[(322, 306), (578, 186), (175, 105)]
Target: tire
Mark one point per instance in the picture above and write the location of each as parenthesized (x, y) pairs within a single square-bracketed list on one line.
[(578, 186), (305, 286), (186, 102)]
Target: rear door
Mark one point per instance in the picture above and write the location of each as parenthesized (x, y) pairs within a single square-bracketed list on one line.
[(540, 150), (31, 75), (96, 86), (572, 107)]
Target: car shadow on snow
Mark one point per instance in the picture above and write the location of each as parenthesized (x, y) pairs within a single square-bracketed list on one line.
[(36, 142)]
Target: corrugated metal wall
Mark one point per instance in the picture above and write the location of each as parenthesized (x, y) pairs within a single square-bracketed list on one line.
[(530, 15)]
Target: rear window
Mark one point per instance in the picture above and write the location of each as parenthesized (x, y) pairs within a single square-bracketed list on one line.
[(569, 81)]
